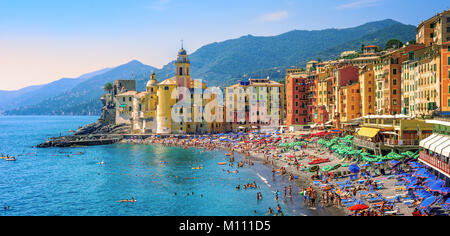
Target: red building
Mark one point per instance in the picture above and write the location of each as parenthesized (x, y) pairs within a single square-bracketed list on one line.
[(297, 92)]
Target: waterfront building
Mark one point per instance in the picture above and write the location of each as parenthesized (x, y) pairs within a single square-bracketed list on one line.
[(388, 80), (341, 77), (445, 78), (421, 90), (350, 102), (297, 86), (254, 105), (435, 30), (367, 88), (435, 150), (383, 133)]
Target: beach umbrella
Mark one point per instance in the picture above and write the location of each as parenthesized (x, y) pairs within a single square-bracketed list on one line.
[(444, 190), (428, 202), (412, 186), (354, 168), (394, 162), (358, 207)]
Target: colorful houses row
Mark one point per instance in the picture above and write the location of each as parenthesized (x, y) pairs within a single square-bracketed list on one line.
[(413, 80)]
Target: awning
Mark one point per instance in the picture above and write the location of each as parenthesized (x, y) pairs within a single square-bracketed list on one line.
[(123, 105), (444, 145), (440, 141), (422, 143), (446, 152), (428, 144), (368, 132)]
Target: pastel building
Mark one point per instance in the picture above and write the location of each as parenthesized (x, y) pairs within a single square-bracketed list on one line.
[(254, 105), (421, 90)]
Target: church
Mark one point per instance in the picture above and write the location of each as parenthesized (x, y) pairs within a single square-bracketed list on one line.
[(173, 106)]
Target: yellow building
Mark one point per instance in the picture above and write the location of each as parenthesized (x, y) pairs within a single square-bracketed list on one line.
[(177, 105), (367, 86), (421, 90)]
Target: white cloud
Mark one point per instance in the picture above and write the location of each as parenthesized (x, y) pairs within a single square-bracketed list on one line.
[(275, 16), (359, 4)]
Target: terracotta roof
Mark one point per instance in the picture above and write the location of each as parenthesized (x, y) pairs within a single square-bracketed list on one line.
[(129, 93)]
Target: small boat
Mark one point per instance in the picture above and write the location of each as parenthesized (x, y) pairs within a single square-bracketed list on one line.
[(229, 154), (197, 168), (10, 159), (222, 163)]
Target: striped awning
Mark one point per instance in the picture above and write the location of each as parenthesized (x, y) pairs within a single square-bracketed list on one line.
[(435, 140), (423, 142), (442, 146), (368, 132)]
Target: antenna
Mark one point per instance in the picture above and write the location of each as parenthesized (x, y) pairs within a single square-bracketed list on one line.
[(181, 44)]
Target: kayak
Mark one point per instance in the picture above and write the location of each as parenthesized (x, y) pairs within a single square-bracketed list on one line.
[(197, 168), (222, 163), (336, 167), (319, 161)]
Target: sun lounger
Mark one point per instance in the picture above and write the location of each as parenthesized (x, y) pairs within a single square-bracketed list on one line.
[(376, 199), (391, 213)]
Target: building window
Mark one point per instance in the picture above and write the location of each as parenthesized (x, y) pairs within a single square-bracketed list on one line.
[(394, 101), (394, 81), (394, 92)]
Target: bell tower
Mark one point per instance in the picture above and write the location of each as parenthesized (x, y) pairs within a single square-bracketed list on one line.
[(182, 65)]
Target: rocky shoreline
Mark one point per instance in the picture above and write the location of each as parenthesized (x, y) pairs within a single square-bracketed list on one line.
[(93, 134)]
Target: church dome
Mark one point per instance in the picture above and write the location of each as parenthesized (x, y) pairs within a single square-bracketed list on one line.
[(182, 52), (152, 81)]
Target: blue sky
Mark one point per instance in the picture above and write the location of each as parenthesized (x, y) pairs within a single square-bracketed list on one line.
[(42, 41)]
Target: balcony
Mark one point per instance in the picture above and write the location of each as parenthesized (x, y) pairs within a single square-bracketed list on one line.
[(396, 142), (435, 162), (366, 144)]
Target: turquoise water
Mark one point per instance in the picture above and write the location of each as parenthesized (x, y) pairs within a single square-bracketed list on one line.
[(58, 182)]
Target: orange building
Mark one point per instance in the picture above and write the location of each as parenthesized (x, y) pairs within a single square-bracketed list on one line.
[(350, 99), (445, 78), (297, 91)]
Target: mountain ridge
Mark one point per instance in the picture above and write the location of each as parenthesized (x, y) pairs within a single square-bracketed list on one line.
[(229, 61)]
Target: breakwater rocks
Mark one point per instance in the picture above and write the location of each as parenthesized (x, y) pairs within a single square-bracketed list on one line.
[(90, 135), (100, 128)]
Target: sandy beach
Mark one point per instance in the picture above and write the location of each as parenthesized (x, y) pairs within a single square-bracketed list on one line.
[(294, 162)]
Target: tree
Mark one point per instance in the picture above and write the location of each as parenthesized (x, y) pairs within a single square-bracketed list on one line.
[(108, 87), (394, 43)]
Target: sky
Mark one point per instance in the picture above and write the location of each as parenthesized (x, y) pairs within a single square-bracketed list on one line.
[(43, 41)]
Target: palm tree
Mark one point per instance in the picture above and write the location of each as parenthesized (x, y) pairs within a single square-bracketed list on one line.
[(108, 87)]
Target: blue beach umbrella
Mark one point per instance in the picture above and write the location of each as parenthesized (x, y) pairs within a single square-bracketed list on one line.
[(394, 162), (428, 202), (444, 190), (354, 168), (413, 186)]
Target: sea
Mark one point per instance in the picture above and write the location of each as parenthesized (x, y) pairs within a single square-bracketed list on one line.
[(89, 181)]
